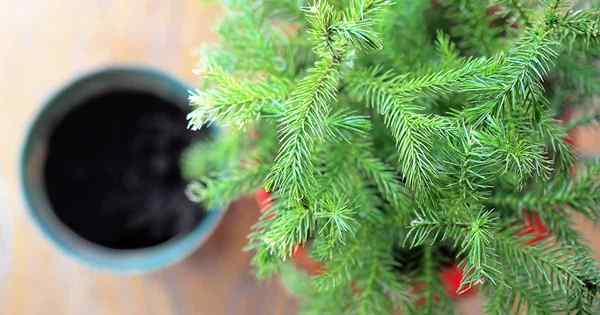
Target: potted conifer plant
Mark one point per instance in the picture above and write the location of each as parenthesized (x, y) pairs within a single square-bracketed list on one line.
[(397, 138)]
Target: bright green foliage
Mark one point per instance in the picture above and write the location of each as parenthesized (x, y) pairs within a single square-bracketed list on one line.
[(396, 136)]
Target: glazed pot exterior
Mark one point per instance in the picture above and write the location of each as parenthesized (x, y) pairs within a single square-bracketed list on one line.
[(34, 154)]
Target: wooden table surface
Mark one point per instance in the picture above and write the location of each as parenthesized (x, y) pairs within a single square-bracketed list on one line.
[(43, 44)]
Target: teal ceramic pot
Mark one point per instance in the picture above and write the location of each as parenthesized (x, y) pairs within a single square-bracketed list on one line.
[(34, 155)]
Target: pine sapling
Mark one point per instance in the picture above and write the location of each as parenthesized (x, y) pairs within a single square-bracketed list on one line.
[(399, 144)]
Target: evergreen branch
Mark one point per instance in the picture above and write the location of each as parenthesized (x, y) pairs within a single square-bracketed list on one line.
[(562, 227), (331, 31), (409, 88), (480, 255), (523, 71), (580, 194), (366, 9), (335, 172), (282, 228), (357, 26), (204, 158), (336, 217), (358, 33), (344, 188), (472, 165), (374, 278), (518, 154), (523, 12), (232, 101), (433, 298), (584, 25), (296, 281), (384, 177), (343, 125), (289, 9), (409, 141), (341, 267), (431, 227), (412, 131), (334, 301), (570, 275), (554, 135), (473, 236), (304, 121), (321, 16), (497, 301), (403, 26), (430, 283), (475, 25), (447, 49), (372, 298), (246, 34), (265, 263), (352, 257), (575, 80), (217, 192), (517, 295), (348, 260), (543, 262)]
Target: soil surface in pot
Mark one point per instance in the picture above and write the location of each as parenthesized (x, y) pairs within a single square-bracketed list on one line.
[(112, 173)]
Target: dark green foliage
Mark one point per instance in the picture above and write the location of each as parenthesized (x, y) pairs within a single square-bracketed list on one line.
[(397, 137)]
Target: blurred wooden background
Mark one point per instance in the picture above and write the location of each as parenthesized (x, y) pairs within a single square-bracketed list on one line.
[(43, 44)]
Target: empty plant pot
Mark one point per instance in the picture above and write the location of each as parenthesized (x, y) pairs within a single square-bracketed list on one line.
[(100, 171)]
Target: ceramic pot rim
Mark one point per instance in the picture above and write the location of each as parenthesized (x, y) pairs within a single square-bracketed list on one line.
[(124, 261)]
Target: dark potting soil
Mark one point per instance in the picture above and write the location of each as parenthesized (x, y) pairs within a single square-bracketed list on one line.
[(112, 172)]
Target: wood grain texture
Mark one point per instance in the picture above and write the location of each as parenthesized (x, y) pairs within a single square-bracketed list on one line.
[(43, 44), (46, 43)]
